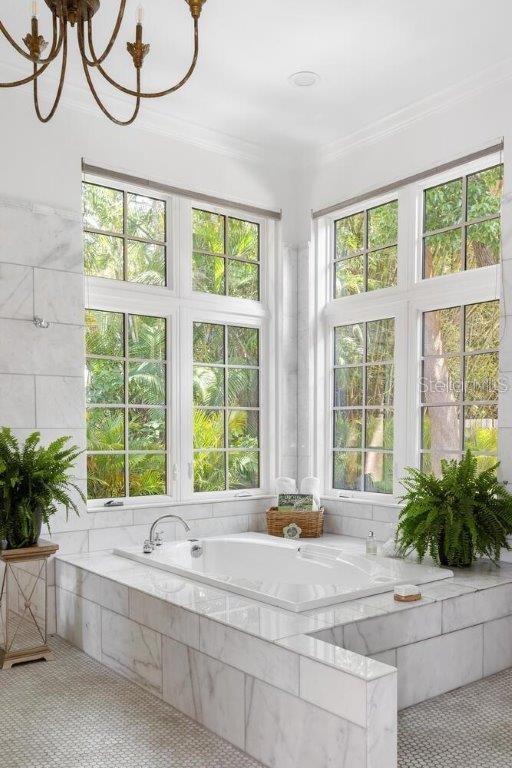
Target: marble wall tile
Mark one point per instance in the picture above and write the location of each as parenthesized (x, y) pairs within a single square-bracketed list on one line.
[(318, 739), (336, 691), (60, 402), (241, 507), (215, 527), (385, 514), (71, 542), (53, 351), (123, 536), (497, 645), (382, 633), (257, 523), (477, 607), (17, 401), (186, 511), (381, 722), (79, 622), (354, 526), (360, 510), (204, 689), (132, 650), (257, 657), (59, 296), (40, 237), (16, 292), (440, 664), (117, 517), (164, 617)]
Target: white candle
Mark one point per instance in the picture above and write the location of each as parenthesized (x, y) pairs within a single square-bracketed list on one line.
[(140, 14), (35, 9)]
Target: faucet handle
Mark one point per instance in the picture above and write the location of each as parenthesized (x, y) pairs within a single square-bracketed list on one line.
[(159, 539), (148, 547)]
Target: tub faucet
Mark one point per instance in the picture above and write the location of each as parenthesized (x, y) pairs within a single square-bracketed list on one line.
[(151, 542)]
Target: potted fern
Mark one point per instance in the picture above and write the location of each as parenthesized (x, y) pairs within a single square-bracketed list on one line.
[(33, 480), (457, 517)]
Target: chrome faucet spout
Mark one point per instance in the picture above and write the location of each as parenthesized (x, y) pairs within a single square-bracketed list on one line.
[(151, 540)]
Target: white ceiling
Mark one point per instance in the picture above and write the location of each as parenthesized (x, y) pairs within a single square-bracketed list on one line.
[(375, 57)]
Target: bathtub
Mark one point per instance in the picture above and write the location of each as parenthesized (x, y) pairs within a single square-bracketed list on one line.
[(295, 575)]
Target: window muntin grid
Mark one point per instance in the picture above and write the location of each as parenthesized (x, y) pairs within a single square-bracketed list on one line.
[(363, 406), (124, 235), (127, 405), (462, 223), (366, 250), (459, 384), (226, 255), (227, 411)]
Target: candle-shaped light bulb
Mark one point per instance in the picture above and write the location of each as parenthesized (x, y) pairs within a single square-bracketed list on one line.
[(35, 9), (140, 14)]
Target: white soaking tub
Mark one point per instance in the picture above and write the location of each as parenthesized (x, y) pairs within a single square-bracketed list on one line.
[(296, 575)]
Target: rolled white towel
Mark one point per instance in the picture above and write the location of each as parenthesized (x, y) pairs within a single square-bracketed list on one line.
[(311, 485), (286, 485)]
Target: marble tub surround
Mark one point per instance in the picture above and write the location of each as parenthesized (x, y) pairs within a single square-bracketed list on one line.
[(459, 632), (223, 659)]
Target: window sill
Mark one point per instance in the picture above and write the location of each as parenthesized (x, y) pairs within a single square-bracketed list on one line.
[(174, 503), (370, 498)]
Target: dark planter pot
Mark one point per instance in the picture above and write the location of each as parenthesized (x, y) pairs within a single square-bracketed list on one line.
[(19, 541), (445, 561)]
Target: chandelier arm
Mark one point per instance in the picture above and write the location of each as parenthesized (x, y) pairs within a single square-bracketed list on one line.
[(96, 61), (53, 50), (100, 103), (142, 95), (44, 67), (48, 117)]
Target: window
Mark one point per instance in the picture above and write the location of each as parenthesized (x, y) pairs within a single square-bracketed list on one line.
[(366, 250), (126, 405), (363, 406), (179, 404), (459, 384), (461, 223), (226, 395), (124, 235), (226, 255), (410, 376)]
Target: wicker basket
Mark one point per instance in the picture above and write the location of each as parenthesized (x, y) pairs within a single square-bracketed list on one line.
[(310, 523)]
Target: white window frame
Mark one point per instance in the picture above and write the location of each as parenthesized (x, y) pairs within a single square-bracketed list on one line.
[(412, 296), (181, 307)]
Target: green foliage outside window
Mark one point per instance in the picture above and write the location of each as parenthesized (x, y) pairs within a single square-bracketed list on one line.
[(124, 235), (126, 405), (226, 254), (226, 407), (462, 227), (366, 250), (363, 406), (459, 384)]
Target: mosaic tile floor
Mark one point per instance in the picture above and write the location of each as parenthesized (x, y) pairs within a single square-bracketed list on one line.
[(76, 713), (467, 728)]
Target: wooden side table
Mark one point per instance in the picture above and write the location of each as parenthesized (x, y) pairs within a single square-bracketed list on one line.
[(24, 604)]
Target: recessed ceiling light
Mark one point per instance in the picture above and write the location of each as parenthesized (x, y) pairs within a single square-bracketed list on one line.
[(304, 79)]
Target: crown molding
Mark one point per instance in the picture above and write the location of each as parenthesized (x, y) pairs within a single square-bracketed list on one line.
[(154, 121), (402, 119)]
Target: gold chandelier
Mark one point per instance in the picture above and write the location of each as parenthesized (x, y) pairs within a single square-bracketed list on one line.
[(79, 14)]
